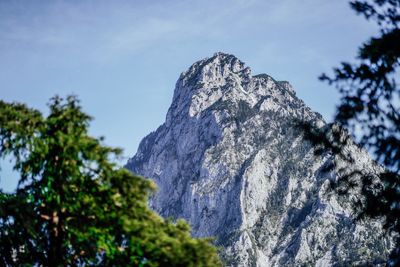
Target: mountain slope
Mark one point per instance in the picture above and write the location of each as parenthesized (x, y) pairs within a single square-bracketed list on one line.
[(230, 160)]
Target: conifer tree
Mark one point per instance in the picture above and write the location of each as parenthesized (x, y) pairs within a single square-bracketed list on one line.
[(370, 110)]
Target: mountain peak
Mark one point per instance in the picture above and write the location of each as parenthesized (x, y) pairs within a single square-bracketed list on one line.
[(223, 55), (213, 69), (231, 160), (223, 78)]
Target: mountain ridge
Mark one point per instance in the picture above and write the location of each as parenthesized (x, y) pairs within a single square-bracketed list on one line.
[(230, 160)]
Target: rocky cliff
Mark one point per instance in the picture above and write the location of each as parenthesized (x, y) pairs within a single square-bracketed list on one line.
[(230, 160)]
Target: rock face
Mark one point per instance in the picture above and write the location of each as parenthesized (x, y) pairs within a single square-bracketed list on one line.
[(230, 160)]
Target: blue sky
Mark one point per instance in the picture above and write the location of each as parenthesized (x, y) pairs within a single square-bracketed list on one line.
[(122, 58)]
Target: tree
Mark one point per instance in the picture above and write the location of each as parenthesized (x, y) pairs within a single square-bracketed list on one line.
[(370, 109), (74, 206)]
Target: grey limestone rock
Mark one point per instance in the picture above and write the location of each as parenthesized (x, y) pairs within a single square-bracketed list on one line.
[(230, 160)]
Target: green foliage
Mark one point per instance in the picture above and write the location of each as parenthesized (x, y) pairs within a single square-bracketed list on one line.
[(73, 206), (370, 107)]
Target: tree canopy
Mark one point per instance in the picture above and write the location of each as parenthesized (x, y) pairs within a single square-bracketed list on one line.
[(370, 109), (74, 206)]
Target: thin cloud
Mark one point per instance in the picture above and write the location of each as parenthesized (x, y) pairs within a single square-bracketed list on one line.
[(106, 32)]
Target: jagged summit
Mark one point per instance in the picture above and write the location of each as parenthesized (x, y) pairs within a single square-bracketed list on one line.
[(218, 70), (221, 61), (214, 68), (223, 78), (231, 161)]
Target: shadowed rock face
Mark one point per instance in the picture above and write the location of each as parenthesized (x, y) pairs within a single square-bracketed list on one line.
[(230, 160)]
